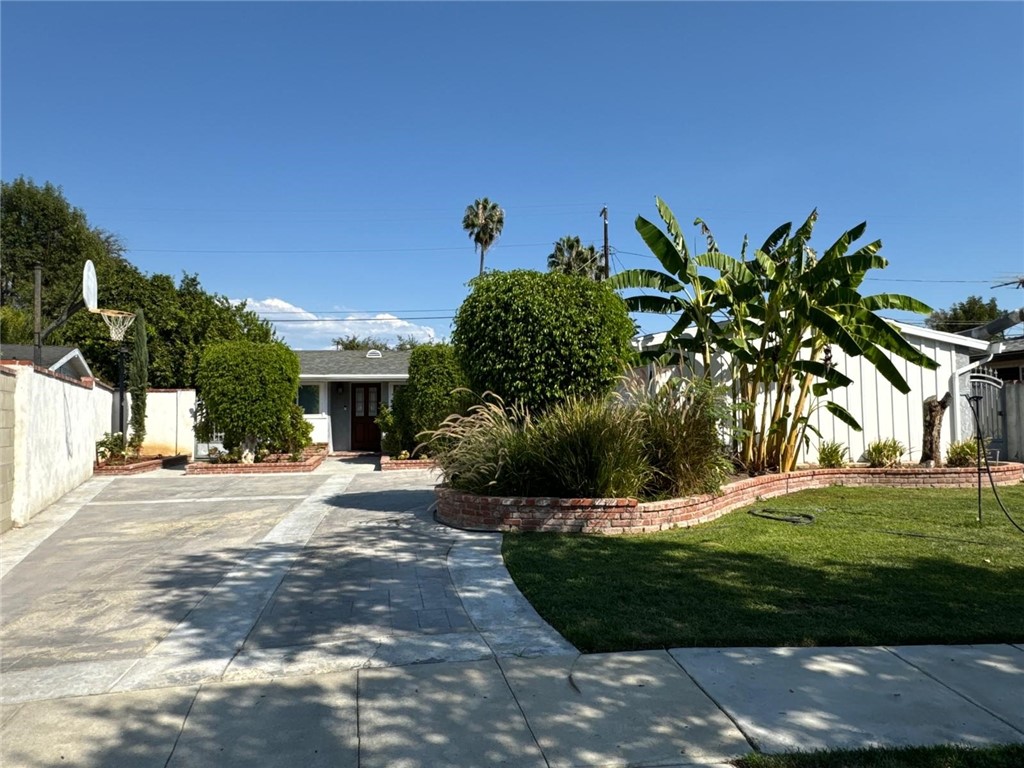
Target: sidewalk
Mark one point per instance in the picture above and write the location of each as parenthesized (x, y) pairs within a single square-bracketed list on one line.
[(327, 620), (687, 707)]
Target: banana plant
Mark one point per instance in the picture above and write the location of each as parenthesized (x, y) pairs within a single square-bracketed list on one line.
[(773, 319)]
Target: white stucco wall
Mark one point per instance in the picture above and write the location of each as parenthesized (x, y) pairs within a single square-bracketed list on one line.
[(102, 410), (54, 440), (8, 382), (169, 422)]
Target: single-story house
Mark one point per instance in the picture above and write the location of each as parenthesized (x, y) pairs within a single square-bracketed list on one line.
[(882, 411), (67, 361), (341, 391)]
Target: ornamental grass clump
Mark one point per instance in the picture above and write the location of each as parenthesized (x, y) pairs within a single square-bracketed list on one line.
[(645, 445), (485, 451), (885, 453), (831, 455), (592, 448), (680, 423), (963, 453)]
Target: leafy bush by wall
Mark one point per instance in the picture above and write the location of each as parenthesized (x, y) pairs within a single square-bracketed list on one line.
[(427, 399), (248, 392), (537, 338)]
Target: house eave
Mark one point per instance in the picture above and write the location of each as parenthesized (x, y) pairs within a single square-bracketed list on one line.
[(354, 377)]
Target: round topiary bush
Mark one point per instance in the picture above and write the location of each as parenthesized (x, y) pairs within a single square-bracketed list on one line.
[(536, 338)]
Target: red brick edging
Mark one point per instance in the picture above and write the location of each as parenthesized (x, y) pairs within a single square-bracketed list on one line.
[(387, 464), (139, 467), (262, 468), (615, 516)]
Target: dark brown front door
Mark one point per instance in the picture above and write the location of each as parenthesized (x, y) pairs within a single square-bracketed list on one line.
[(365, 432)]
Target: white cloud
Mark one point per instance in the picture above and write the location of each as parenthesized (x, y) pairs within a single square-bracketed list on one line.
[(316, 331)]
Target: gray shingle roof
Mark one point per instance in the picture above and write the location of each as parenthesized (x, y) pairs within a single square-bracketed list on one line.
[(76, 365), (347, 362)]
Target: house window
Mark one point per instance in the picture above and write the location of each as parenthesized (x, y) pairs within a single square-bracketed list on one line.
[(309, 398)]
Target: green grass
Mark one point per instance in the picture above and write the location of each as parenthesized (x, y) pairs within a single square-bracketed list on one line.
[(1009, 756), (878, 566)]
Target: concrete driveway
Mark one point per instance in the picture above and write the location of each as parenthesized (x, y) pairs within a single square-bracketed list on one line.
[(326, 620), (167, 579)]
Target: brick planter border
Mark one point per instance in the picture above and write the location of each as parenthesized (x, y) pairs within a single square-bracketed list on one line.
[(615, 516), (387, 464), (308, 464), (139, 467)]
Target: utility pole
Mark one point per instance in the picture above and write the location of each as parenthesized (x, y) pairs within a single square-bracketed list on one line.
[(607, 266)]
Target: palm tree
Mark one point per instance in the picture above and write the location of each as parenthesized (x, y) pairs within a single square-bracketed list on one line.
[(571, 257), (483, 223)]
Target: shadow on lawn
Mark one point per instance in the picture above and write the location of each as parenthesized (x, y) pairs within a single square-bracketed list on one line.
[(617, 594)]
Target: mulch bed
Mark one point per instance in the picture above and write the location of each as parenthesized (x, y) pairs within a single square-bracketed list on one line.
[(134, 465), (312, 458)]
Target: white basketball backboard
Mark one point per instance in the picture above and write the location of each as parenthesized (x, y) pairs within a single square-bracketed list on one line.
[(89, 287)]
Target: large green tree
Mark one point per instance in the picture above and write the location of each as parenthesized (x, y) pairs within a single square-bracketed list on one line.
[(483, 222), (248, 392), (537, 338), (38, 224), (571, 257), (969, 313), (772, 321)]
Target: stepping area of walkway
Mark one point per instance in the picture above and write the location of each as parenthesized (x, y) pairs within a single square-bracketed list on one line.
[(326, 619)]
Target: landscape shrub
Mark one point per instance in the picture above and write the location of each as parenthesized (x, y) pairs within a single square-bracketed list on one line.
[(537, 338), (832, 455), (436, 389), (111, 446), (248, 391), (963, 453), (885, 453), (643, 446)]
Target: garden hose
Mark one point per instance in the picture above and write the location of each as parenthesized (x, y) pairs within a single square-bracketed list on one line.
[(796, 518), (973, 402)]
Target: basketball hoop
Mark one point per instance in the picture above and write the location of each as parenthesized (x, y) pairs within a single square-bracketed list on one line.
[(117, 321)]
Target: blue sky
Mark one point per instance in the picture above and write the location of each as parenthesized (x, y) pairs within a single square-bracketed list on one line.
[(317, 158)]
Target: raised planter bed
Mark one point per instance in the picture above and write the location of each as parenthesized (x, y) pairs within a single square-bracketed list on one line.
[(275, 464), (139, 465), (388, 464), (615, 516)]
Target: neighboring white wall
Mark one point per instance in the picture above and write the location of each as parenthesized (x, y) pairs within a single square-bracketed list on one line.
[(54, 446), (102, 411), (169, 422), (321, 427)]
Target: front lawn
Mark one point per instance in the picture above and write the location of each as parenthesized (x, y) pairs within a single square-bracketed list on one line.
[(877, 566)]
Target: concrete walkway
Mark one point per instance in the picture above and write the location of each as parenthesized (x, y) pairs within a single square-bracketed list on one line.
[(327, 620)]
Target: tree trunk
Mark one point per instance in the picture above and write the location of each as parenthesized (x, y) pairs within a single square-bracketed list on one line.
[(934, 408)]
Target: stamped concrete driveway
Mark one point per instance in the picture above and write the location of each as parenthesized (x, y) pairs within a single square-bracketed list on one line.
[(169, 580)]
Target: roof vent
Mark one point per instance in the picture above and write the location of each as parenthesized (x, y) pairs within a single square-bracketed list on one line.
[(373, 353)]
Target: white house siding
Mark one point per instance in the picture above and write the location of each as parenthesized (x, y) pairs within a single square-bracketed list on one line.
[(880, 409)]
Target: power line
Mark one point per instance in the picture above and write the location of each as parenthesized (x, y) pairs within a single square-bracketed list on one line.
[(324, 250), (356, 319)]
